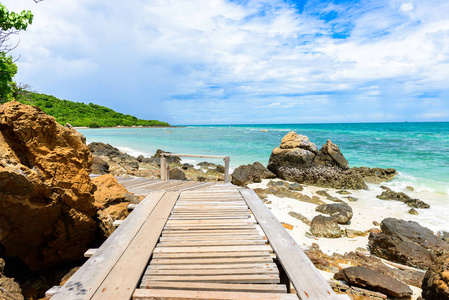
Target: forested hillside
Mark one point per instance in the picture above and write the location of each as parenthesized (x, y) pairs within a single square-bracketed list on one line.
[(83, 115)]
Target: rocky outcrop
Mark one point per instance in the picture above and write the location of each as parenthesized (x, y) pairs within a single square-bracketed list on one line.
[(333, 263), (322, 226), (341, 212), (9, 287), (375, 175), (111, 201), (435, 285), (388, 194), (46, 206), (108, 159), (247, 174), (370, 279), (297, 159), (408, 243)]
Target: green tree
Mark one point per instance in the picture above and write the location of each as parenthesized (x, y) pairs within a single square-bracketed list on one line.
[(10, 23)]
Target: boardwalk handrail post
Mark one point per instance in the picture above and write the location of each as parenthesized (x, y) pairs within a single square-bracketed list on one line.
[(226, 173), (163, 168)]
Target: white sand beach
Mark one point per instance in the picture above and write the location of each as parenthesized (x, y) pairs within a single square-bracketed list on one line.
[(367, 211)]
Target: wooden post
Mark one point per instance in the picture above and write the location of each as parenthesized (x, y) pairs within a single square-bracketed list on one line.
[(163, 168), (226, 174)]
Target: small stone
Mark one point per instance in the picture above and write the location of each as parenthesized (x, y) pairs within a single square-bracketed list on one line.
[(186, 166), (316, 200), (325, 227), (176, 174), (352, 199), (295, 187), (323, 193), (351, 233), (413, 211), (287, 226), (375, 223), (341, 212), (374, 230), (277, 184), (410, 188), (299, 217), (343, 192), (335, 199)]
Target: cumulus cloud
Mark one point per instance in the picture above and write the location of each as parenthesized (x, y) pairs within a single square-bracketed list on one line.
[(217, 61)]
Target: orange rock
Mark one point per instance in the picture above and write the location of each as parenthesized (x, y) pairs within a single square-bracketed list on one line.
[(287, 226), (46, 205), (111, 200)]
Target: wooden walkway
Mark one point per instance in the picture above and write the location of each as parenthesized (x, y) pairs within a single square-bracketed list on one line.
[(197, 240)]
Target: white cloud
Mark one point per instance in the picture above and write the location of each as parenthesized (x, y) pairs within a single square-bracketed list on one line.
[(407, 7), (227, 57)]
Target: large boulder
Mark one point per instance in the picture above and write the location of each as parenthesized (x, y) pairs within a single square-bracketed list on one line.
[(297, 159), (111, 201), (322, 226), (370, 279), (341, 212), (436, 281), (246, 174), (407, 243), (46, 205)]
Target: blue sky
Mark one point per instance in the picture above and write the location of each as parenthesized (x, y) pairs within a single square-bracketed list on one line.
[(243, 61)]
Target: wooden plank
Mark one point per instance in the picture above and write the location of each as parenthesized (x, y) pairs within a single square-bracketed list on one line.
[(227, 271), (216, 217), (142, 294), (305, 278), (211, 243), (211, 238), (256, 278), (124, 276), (258, 288), (212, 254), (196, 261), (211, 267), (136, 182), (198, 185), (204, 227), (209, 222), (83, 284), (160, 249), (197, 232)]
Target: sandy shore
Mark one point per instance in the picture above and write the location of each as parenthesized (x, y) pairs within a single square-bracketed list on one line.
[(366, 210)]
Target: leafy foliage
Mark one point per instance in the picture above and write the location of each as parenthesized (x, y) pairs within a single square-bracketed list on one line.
[(7, 71), (82, 115), (10, 23), (18, 21)]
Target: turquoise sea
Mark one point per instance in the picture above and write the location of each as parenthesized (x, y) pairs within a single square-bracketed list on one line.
[(418, 151)]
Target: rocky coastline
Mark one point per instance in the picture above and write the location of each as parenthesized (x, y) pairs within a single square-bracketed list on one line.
[(53, 210)]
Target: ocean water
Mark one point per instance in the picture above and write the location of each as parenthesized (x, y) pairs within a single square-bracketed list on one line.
[(418, 151)]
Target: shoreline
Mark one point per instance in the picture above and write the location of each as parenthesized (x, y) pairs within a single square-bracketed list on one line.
[(134, 127)]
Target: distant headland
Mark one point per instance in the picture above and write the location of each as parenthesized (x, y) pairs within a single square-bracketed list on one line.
[(84, 115)]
